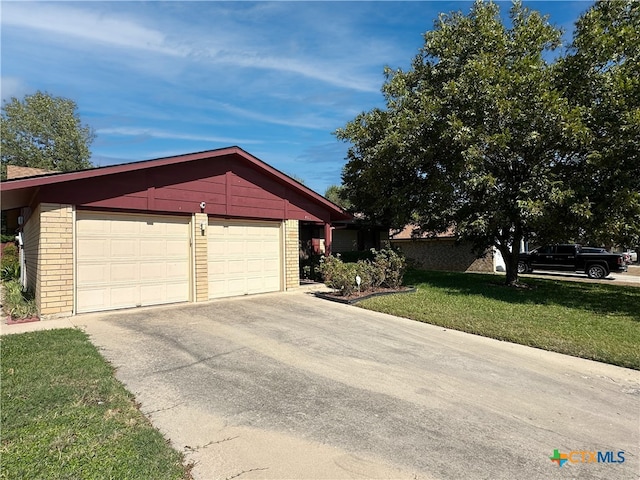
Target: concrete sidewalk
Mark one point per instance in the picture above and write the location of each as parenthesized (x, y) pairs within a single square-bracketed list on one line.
[(68, 322)]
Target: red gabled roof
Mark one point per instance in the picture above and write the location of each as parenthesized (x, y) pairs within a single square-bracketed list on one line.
[(17, 193)]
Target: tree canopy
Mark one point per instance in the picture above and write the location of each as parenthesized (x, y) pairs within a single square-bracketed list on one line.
[(601, 75), (337, 195), (43, 131), (479, 135)]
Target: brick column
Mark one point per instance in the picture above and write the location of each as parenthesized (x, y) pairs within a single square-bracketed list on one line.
[(54, 282), (292, 254), (201, 254)]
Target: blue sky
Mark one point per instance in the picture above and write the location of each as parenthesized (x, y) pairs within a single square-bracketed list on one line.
[(275, 78)]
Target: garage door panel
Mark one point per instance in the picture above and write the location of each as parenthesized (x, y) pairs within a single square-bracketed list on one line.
[(123, 248), (152, 271), (216, 269), (93, 299), (236, 267), (236, 286), (152, 247), (92, 248), (93, 273), (162, 293), (89, 228), (173, 228), (235, 246), (255, 266), (256, 248), (255, 284), (121, 272), (244, 258), (122, 297), (131, 227), (177, 271), (130, 260), (271, 264), (174, 248)]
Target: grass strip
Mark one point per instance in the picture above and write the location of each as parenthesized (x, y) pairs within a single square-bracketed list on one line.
[(65, 416), (589, 320)]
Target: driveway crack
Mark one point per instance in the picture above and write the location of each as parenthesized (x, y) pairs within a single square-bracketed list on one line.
[(246, 471)]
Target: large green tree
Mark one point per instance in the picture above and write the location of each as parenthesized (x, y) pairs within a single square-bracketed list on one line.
[(43, 131), (337, 195), (474, 135), (601, 75)]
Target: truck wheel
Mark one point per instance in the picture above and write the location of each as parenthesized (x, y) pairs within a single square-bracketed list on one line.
[(596, 271), (522, 267)]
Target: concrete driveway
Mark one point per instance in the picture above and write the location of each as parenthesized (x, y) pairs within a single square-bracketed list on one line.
[(291, 386)]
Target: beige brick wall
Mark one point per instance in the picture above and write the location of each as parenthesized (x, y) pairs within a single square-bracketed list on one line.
[(54, 283), (292, 254), (31, 236), (200, 249), (444, 254)]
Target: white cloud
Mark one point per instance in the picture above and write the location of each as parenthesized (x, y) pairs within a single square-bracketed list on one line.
[(86, 25), (310, 121), (230, 45), (156, 133), (12, 87), (311, 69)]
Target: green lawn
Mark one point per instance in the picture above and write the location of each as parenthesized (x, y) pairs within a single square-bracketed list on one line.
[(589, 320), (65, 416)]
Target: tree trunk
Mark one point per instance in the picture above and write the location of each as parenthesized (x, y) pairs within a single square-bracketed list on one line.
[(511, 257)]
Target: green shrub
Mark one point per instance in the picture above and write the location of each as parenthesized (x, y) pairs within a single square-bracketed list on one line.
[(310, 267), (17, 302), (339, 275), (4, 238), (392, 266), (386, 269), (10, 263)]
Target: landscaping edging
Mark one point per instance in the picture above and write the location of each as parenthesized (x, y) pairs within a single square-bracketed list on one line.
[(350, 301), (18, 321)]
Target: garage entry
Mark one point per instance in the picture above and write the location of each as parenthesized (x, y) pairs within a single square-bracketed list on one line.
[(130, 260), (244, 257)]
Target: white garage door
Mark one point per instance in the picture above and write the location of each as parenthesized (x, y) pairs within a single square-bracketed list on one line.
[(130, 260), (244, 258)]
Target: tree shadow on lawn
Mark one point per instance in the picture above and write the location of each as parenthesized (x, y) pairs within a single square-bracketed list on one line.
[(593, 297)]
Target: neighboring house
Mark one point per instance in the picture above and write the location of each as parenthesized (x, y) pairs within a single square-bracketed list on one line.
[(347, 236), (187, 228), (10, 217), (443, 252), (16, 171)]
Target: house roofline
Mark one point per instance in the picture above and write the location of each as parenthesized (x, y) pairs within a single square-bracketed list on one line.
[(53, 178)]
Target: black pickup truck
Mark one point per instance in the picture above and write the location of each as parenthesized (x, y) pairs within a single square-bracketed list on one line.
[(596, 264)]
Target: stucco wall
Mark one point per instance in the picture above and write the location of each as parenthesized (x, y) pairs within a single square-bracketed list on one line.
[(444, 254)]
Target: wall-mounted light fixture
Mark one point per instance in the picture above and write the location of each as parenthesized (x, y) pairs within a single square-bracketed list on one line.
[(203, 227)]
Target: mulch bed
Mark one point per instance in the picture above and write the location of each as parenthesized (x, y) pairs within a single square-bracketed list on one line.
[(359, 296)]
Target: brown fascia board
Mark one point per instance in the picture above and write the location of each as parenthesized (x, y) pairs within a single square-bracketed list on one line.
[(49, 179)]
